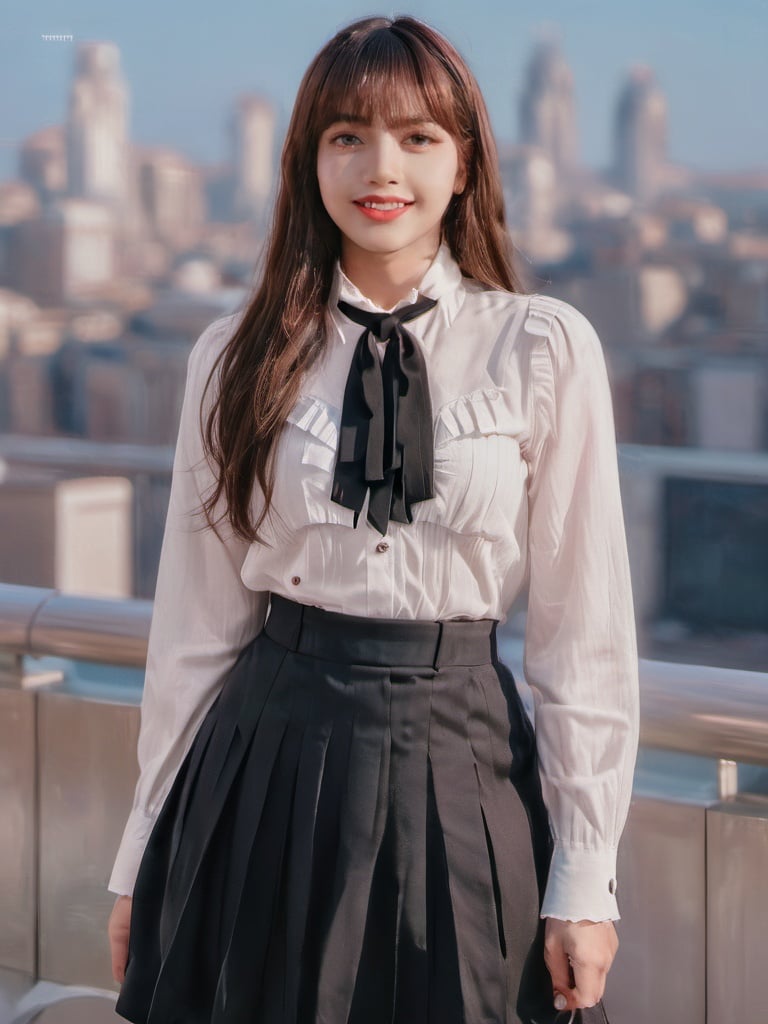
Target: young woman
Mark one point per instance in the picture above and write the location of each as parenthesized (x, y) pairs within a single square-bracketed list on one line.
[(343, 813)]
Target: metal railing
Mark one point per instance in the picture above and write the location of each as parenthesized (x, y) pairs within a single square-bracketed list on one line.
[(691, 709)]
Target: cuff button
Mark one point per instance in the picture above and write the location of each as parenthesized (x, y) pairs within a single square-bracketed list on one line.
[(612, 884)]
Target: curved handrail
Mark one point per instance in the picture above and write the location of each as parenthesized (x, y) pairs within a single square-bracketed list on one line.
[(693, 709)]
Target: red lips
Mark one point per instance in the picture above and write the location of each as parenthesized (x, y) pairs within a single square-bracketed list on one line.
[(382, 199)]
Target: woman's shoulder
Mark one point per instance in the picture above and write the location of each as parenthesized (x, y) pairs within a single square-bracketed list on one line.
[(546, 322), (203, 355), (213, 338), (543, 310), (555, 317), (481, 296), (565, 351), (219, 330)]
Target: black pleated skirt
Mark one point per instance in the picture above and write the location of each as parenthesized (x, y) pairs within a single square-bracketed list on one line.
[(356, 836)]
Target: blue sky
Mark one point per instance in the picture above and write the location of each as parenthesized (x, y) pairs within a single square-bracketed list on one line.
[(185, 64)]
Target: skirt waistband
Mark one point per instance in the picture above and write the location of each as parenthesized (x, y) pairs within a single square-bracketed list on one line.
[(366, 640)]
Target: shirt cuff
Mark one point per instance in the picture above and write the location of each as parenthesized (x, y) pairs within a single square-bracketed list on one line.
[(582, 884), (126, 867)]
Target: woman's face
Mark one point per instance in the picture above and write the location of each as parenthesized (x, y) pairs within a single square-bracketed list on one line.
[(418, 164)]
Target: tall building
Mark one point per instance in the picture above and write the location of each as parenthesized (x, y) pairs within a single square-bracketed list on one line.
[(547, 107), (253, 139), (43, 162), (640, 135), (171, 194), (531, 181), (66, 253), (97, 126)]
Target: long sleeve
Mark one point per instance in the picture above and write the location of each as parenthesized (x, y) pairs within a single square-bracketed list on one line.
[(580, 657), (203, 614)]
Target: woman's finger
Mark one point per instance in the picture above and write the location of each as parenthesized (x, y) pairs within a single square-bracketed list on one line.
[(119, 931), (119, 952), (557, 964), (590, 983)]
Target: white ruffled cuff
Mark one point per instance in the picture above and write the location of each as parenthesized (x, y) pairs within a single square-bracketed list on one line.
[(582, 884)]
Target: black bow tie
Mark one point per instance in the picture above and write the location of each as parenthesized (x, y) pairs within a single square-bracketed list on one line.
[(386, 441)]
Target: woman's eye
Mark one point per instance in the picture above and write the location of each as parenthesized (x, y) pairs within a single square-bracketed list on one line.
[(421, 140), (424, 138)]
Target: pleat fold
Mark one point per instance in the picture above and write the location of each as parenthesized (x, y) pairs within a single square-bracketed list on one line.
[(301, 854), (320, 904), (409, 722), (252, 930), (188, 897), (445, 1003), (390, 979), (362, 816), (482, 970)]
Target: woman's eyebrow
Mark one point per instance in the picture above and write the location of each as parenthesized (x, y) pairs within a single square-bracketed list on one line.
[(407, 122), (349, 118), (401, 122)]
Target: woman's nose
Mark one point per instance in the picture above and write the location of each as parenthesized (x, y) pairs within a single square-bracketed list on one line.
[(384, 160)]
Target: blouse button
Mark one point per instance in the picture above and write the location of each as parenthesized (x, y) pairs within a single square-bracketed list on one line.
[(612, 886), (295, 579), (382, 546)]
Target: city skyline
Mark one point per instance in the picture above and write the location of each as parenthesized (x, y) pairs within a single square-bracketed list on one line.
[(190, 114)]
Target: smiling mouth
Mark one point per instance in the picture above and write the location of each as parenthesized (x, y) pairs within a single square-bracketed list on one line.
[(368, 205)]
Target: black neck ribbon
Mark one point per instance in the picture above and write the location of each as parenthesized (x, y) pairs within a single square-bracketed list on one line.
[(386, 442)]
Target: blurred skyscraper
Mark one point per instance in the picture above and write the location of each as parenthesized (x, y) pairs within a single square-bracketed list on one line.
[(172, 198), (640, 135), (97, 126), (43, 163), (252, 129), (547, 106)]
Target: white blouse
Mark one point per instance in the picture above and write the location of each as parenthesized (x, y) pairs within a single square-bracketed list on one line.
[(527, 493)]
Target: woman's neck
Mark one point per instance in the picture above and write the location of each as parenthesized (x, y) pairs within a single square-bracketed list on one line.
[(386, 278)]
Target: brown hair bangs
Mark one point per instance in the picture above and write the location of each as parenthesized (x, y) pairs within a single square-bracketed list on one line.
[(385, 77)]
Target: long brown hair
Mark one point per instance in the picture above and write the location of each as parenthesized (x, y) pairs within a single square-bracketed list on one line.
[(374, 66)]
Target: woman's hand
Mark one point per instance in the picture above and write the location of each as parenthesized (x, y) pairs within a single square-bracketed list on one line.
[(588, 948), (119, 928)]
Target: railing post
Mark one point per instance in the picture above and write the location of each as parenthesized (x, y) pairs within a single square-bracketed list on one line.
[(14, 675), (727, 778)]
